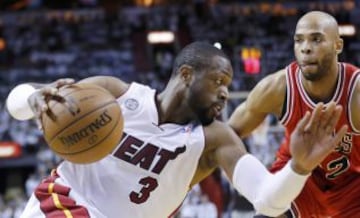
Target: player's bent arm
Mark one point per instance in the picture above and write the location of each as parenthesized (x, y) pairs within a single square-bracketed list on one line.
[(266, 98), (114, 85), (244, 120), (270, 194)]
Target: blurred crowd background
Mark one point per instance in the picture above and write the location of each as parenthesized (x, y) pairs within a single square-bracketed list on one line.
[(137, 40)]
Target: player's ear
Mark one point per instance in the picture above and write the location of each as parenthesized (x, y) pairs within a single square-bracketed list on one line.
[(339, 45), (186, 73)]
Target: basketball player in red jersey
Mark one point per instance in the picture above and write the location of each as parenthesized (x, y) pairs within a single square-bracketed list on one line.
[(171, 142), (333, 189)]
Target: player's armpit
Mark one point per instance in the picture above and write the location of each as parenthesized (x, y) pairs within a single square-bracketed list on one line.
[(205, 167)]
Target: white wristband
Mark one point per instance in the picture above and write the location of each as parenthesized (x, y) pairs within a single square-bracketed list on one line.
[(17, 102), (270, 194)]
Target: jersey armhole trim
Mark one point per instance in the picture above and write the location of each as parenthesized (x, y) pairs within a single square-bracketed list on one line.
[(353, 81), (286, 111)]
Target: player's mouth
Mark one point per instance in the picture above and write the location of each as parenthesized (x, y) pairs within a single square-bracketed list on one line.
[(217, 108), (308, 63)]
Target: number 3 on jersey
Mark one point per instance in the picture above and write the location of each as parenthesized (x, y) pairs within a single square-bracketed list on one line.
[(149, 184)]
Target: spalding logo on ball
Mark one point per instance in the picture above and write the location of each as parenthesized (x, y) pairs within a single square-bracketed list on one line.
[(86, 127)]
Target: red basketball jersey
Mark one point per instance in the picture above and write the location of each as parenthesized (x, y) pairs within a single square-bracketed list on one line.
[(342, 165)]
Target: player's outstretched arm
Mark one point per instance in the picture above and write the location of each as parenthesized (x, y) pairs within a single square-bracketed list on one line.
[(311, 141), (271, 194)]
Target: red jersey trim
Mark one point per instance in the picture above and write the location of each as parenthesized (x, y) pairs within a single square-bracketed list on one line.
[(353, 81), (55, 201), (289, 97), (295, 210), (336, 96)]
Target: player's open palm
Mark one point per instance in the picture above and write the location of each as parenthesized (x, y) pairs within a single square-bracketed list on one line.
[(313, 138)]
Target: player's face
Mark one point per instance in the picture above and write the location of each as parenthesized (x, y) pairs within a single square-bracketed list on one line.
[(209, 92), (314, 50)]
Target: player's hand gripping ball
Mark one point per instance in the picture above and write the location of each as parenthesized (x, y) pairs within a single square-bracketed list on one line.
[(86, 126)]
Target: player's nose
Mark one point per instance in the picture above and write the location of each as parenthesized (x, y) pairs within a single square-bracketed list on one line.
[(306, 48), (223, 94)]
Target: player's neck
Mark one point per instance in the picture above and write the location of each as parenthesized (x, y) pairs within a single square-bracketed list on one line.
[(323, 89), (171, 106)]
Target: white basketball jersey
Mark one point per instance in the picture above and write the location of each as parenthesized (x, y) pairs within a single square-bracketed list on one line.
[(148, 174)]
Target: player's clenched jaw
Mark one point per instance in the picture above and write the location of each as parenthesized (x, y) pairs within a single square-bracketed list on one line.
[(316, 46), (313, 54)]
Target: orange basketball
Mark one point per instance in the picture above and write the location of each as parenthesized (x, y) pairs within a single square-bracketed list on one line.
[(86, 127)]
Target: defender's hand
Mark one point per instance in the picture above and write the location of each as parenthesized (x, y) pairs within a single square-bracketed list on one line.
[(38, 101), (313, 138)]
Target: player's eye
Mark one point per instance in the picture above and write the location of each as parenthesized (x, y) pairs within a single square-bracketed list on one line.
[(297, 40), (219, 81), (317, 39)]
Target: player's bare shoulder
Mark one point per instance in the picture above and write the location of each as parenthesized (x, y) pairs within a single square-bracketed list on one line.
[(269, 94), (219, 134)]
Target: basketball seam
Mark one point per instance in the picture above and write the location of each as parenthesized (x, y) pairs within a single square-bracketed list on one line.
[(79, 118), (110, 132), (87, 88), (98, 89)]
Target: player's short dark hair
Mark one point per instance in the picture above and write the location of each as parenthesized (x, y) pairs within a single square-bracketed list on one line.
[(197, 55)]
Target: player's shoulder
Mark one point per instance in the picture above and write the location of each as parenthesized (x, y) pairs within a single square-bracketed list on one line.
[(354, 73), (350, 67), (217, 133), (274, 80), (217, 126), (269, 94), (270, 88)]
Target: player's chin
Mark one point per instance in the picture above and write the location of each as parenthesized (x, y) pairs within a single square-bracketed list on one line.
[(309, 69), (206, 119), (311, 75), (207, 122)]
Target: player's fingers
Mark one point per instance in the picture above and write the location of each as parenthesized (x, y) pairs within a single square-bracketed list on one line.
[(327, 115), (333, 119), (52, 93), (340, 134), (303, 122), (39, 124), (63, 82), (49, 91), (312, 125), (37, 103), (327, 148)]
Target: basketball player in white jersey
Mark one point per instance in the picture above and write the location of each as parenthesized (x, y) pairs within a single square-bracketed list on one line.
[(171, 142)]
